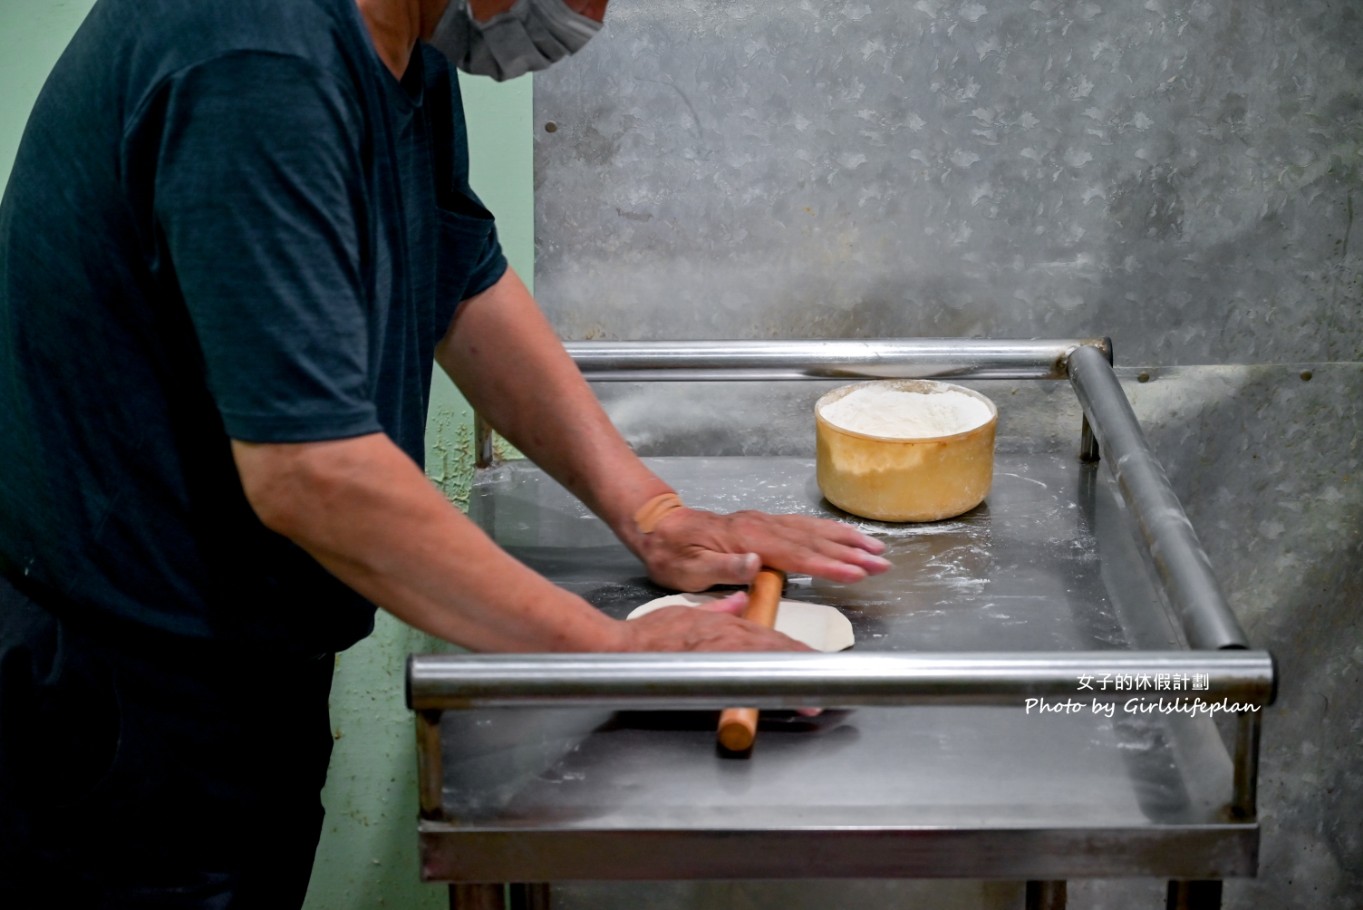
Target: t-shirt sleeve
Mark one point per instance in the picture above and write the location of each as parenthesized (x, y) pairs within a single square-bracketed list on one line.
[(258, 207), (456, 197), (490, 267)]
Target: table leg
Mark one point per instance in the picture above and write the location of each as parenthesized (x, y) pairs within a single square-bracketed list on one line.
[(1046, 896), (478, 896), (528, 895), (1199, 895)]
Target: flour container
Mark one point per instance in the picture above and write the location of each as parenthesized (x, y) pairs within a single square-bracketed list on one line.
[(905, 449)]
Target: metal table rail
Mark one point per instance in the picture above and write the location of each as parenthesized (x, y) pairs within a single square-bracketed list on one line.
[(488, 816), (700, 681)]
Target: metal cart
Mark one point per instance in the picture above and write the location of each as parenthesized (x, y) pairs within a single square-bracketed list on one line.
[(1047, 688)]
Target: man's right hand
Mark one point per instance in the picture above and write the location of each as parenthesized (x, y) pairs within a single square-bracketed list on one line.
[(715, 626)]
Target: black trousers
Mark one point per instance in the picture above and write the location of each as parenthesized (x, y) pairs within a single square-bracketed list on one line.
[(154, 776)]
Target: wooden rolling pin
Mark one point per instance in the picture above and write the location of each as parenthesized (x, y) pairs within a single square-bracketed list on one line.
[(738, 726)]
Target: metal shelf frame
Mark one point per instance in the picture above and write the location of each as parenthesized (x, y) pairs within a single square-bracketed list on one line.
[(1219, 652)]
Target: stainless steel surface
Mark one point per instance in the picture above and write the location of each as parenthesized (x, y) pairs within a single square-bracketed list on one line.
[(1227, 683), (906, 358), (1048, 562), (1047, 568), (933, 850), (1265, 460), (1174, 546), (1248, 733)]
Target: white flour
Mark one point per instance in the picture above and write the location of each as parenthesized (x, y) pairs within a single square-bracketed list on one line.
[(884, 410)]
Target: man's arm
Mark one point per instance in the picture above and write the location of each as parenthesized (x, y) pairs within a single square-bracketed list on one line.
[(368, 514), (510, 364)]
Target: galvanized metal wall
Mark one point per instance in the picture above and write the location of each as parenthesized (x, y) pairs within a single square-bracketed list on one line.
[(1181, 175)]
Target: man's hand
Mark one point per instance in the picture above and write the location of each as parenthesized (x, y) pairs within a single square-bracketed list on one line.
[(710, 627), (691, 550)]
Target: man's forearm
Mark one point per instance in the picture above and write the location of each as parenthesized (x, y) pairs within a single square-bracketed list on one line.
[(510, 364), (512, 367), (366, 512)]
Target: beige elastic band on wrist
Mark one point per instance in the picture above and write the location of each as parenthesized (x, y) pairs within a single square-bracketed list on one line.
[(655, 510)]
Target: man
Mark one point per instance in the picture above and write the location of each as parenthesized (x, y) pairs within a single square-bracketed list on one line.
[(236, 234)]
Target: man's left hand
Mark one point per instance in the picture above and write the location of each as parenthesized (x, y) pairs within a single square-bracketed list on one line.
[(691, 550)]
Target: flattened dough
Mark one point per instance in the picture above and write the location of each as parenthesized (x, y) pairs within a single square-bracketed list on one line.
[(821, 627)]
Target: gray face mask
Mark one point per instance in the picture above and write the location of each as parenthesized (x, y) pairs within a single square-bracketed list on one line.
[(529, 36)]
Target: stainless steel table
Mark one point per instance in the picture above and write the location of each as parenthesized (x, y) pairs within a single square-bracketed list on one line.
[(1042, 689)]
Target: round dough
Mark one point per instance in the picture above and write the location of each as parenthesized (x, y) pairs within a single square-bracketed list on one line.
[(821, 627)]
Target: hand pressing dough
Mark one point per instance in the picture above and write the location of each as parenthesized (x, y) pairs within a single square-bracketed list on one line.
[(821, 627)]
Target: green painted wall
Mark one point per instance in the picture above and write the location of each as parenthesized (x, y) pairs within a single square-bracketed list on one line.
[(367, 857)]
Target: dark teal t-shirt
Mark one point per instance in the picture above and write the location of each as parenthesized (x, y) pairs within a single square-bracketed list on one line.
[(226, 220)]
